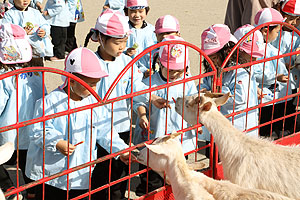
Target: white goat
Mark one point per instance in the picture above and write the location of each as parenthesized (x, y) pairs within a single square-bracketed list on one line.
[(166, 155), (247, 161), (6, 152)]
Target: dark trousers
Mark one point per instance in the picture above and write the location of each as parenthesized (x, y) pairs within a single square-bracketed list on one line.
[(53, 193), (5, 181), (266, 115), (71, 39), (59, 38), (155, 181), (100, 175)]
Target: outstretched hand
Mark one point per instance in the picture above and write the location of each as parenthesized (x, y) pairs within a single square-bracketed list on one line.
[(62, 147), (125, 158), (160, 102)]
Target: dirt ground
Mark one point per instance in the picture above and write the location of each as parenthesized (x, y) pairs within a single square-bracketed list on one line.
[(194, 16)]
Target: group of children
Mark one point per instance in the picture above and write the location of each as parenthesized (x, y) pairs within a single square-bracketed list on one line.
[(57, 20), (49, 147)]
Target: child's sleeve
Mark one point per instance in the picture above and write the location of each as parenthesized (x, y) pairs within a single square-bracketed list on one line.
[(55, 8), (263, 74), (4, 96), (44, 24), (206, 84), (106, 136), (239, 88), (52, 135)]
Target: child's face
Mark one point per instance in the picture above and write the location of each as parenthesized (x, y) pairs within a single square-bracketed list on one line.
[(137, 17), (292, 20), (161, 36), (216, 59), (273, 34), (21, 4), (78, 91), (114, 47), (173, 74)]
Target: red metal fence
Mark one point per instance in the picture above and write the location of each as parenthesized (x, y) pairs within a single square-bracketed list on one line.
[(214, 169)]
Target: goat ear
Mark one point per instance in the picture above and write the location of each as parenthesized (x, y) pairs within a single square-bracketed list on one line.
[(206, 106), (174, 135), (222, 100), (154, 148)]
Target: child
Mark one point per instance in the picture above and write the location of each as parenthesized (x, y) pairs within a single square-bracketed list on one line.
[(217, 42), (177, 56), (15, 53), (76, 10), (275, 83), (143, 35), (58, 16), (111, 31), (37, 28), (60, 144), (166, 25), (115, 5)]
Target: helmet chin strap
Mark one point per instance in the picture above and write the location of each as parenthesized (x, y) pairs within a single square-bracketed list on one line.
[(101, 42)]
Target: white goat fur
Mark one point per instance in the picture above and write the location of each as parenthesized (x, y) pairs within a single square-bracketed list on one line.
[(247, 161), (166, 155), (6, 152)]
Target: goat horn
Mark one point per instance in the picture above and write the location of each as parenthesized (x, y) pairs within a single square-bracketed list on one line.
[(174, 135)]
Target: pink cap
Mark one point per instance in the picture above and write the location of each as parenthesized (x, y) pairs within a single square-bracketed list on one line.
[(136, 4), (85, 62), (177, 54), (291, 7), (166, 23), (113, 24), (258, 42), (215, 37), (14, 44), (266, 15)]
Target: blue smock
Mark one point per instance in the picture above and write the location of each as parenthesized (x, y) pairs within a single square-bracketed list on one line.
[(30, 89), (267, 81), (59, 14), (237, 83), (56, 129), (121, 108), (158, 116), (144, 37), (41, 47)]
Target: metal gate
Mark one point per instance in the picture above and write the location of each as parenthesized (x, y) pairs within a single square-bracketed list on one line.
[(214, 169)]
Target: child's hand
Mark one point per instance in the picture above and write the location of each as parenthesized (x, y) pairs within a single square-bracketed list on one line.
[(62, 146), (259, 93), (148, 73), (282, 78), (45, 13), (143, 123), (28, 30), (160, 102), (39, 6), (125, 158), (106, 7), (41, 32), (130, 51)]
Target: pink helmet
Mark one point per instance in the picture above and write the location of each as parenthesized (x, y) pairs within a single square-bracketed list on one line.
[(166, 23), (257, 41), (215, 37), (176, 54), (85, 62), (112, 23), (136, 4), (14, 45), (266, 15), (291, 7)]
